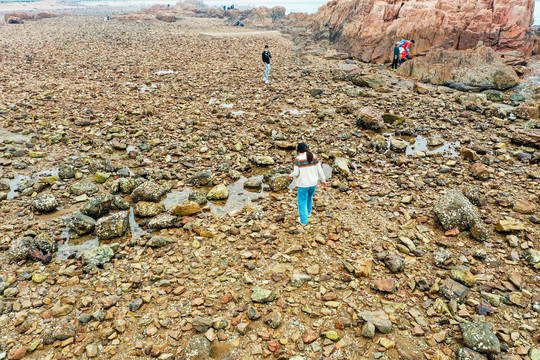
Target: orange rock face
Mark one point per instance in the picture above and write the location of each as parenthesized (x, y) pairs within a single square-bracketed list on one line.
[(20, 17), (368, 28)]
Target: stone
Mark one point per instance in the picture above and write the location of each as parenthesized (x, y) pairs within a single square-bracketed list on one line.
[(341, 166), (202, 178), (394, 263), (253, 183), (263, 160), (201, 324), (532, 257), (112, 226), (463, 275), (261, 295), (148, 209), (534, 353), (373, 81), (135, 304), (384, 285), (279, 182), (187, 208), (17, 352), (420, 88), (198, 348), (509, 225), (162, 221), (378, 318), (101, 177), (369, 118), (127, 185), (148, 191), (198, 197), (468, 354), (98, 206), (83, 188), (218, 192), (454, 210), (44, 203), (273, 319), (398, 145), (368, 330), (524, 207), (479, 171), (81, 224), (92, 350), (331, 335), (160, 241), (98, 256), (297, 280), (452, 290), (479, 337)]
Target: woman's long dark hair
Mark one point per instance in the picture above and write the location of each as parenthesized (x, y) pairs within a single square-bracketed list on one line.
[(303, 148)]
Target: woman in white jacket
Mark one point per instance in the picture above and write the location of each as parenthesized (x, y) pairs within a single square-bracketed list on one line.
[(307, 172)]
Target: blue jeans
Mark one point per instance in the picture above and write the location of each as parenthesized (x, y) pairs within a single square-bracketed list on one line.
[(267, 72), (305, 202)]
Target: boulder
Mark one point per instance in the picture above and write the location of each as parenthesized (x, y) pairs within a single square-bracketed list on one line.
[(187, 208), (279, 182), (368, 29), (98, 256), (112, 226), (163, 221), (83, 188), (148, 209), (373, 81), (218, 192), (159, 241), (454, 210), (480, 337), (341, 166), (378, 318), (81, 224), (44, 203), (198, 348), (475, 69), (98, 206), (202, 178), (148, 191), (369, 118), (262, 160), (198, 196)]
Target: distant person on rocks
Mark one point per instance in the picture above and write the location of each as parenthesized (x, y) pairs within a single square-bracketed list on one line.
[(406, 45), (107, 18), (396, 58), (307, 172), (266, 56)]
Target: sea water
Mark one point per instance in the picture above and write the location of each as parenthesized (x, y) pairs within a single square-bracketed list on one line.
[(304, 6), (537, 13)]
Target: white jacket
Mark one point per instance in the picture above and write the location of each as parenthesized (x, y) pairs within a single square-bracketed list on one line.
[(307, 174)]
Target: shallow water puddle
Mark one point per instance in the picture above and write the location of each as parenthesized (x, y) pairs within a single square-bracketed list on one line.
[(165, 72), (91, 241), (420, 143), (291, 112), (238, 197), (15, 182), (9, 137)]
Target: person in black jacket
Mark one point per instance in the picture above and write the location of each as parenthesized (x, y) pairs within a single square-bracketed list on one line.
[(266, 56), (395, 59)]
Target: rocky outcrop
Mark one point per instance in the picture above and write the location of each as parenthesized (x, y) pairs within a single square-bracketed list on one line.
[(260, 17), (21, 17), (473, 69), (368, 28)]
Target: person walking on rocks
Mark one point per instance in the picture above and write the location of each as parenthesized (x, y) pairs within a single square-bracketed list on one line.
[(396, 57), (307, 172), (266, 56)]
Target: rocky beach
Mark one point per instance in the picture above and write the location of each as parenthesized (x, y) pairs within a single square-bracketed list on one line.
[(146, 211)]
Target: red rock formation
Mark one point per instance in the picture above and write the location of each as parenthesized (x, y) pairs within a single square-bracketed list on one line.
[(473, 69), (368, 28)]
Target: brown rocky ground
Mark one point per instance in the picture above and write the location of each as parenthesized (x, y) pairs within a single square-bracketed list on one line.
[(84, 102)]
